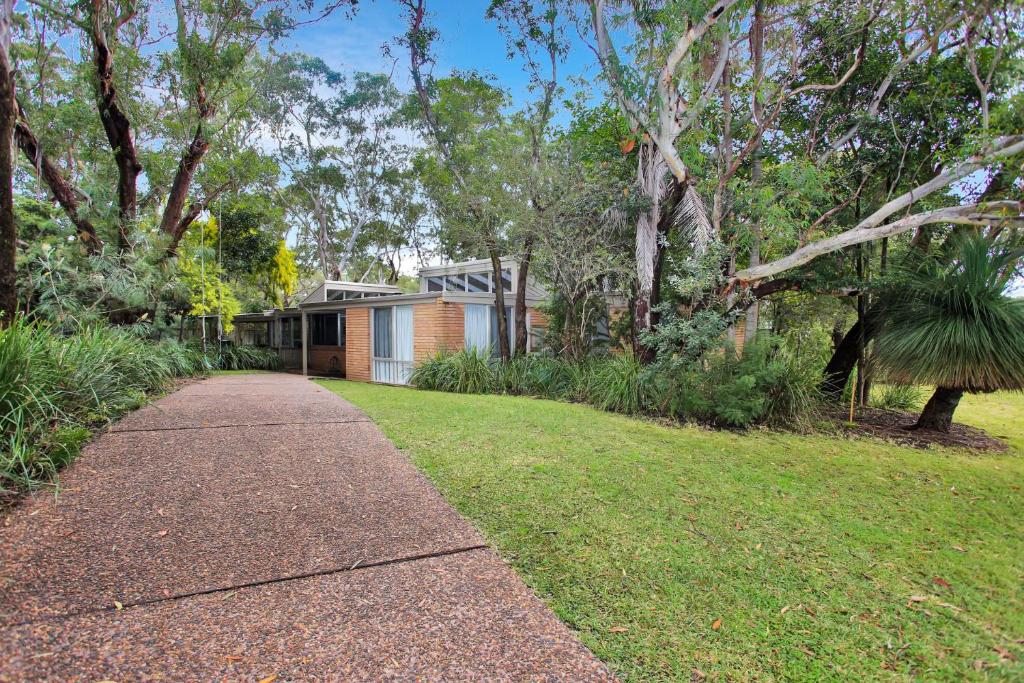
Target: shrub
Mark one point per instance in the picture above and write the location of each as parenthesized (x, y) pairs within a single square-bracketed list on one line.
[(244, 357), (54, 387), (615, 384), (898, 397), (462, 372)]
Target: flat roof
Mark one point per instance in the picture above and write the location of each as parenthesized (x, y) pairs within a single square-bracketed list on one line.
[(463, 266)]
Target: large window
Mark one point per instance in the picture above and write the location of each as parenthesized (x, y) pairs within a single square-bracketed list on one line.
[(382, 347), (392, 344), (325, 329), (481, 328)]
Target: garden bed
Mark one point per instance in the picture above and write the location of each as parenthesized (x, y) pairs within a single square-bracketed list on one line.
[(897, 426)]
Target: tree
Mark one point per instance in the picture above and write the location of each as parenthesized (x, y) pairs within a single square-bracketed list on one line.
[(535, 32), (950, 323), (661, 94), (284, 276), (338, 140), (8, 115), (462, 117), (205, 78)]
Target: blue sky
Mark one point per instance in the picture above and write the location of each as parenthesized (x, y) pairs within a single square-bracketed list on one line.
[(467, 41)]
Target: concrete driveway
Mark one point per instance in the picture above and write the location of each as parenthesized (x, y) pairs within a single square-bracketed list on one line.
[(249, 527)]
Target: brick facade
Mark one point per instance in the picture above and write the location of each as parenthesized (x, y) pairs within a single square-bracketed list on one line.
[(437, 326), (357, 344), (326, 360)]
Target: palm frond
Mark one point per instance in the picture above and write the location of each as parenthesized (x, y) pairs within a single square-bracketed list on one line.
[(950, 323)]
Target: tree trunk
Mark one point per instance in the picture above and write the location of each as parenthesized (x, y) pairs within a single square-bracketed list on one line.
[(63, 191), (118, 128), (499, 304), (938, 412), (522, 334), (8, 115), (171, 222), (845, 356), (757, 51)]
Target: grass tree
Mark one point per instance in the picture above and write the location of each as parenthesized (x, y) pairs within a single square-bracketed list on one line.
[(951, 323)]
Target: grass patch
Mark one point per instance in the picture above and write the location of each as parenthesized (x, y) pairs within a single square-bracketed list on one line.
[(816, 557)]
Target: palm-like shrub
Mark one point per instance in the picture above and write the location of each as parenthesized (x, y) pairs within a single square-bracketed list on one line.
[(950, 323)]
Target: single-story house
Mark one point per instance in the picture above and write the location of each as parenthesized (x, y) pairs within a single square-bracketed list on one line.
[(376, 333)]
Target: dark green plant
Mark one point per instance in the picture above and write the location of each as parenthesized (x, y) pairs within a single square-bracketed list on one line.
[(949, 323)]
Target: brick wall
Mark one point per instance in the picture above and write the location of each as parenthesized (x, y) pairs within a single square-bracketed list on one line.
[(357, 344), (437, 325), (326, 360)]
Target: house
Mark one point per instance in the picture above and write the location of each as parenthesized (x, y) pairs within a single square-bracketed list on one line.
[(376, 333)]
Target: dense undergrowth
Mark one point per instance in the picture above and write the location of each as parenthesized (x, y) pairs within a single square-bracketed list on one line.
[(56, 388), (764, 385)]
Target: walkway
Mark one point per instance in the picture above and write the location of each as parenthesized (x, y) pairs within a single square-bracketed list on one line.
[(258, 527)]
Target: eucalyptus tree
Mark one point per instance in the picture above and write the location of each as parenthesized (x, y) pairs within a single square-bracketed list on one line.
[(160, 102), (535, 33), (463, 119), (338, 138), (8, 115)]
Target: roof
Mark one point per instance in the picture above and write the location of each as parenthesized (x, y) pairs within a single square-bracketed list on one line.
[(320, 293), (465, 266)]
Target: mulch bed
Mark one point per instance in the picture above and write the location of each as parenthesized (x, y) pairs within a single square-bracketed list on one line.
[(896, 426)]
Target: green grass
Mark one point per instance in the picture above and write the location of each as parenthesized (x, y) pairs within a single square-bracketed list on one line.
[(824, 558)]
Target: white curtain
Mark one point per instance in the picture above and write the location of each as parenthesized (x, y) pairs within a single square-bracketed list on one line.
[(477, 334), (403, 333)]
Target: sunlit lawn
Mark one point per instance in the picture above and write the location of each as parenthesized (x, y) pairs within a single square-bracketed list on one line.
[(758, 556)]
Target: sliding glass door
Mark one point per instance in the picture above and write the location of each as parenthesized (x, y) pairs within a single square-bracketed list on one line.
[(392, 344)]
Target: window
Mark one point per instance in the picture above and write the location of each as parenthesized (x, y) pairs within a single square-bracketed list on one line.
[(382, 332), (323, 329), (481, 328), (392, 344), (455, 283), (506, 279), (478, 282), (291, 333), (435, 284)]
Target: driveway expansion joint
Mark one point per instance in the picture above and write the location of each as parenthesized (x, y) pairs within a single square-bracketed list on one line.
[(357, 566), (235, 426)]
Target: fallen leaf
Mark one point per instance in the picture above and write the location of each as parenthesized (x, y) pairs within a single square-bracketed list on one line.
[(784, 609), (1004, 654), (716, 624), (269, 679), (959, 549), (618, 629), (162, 533), (916, 598), (233, 658), (118, 605), (939, 581), (978, 664)]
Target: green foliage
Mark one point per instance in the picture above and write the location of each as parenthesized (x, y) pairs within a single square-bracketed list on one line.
[(617, 384), (244, 357), (949, 322), (53, 388), (464, 372), (897, 397), (205, 279), (767, 385)]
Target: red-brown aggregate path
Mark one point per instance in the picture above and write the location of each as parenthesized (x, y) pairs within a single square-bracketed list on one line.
[(255, 527)]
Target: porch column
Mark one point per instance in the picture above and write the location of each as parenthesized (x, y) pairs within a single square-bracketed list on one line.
[(305, 344)]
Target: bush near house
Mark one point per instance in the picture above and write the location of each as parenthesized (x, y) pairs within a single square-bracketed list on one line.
[(55, 388), (763, 385)]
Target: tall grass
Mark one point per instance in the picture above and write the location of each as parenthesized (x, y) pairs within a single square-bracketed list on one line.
[(54, 388), (767, 384)]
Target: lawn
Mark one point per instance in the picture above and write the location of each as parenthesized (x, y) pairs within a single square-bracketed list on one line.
[(677, 552)]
